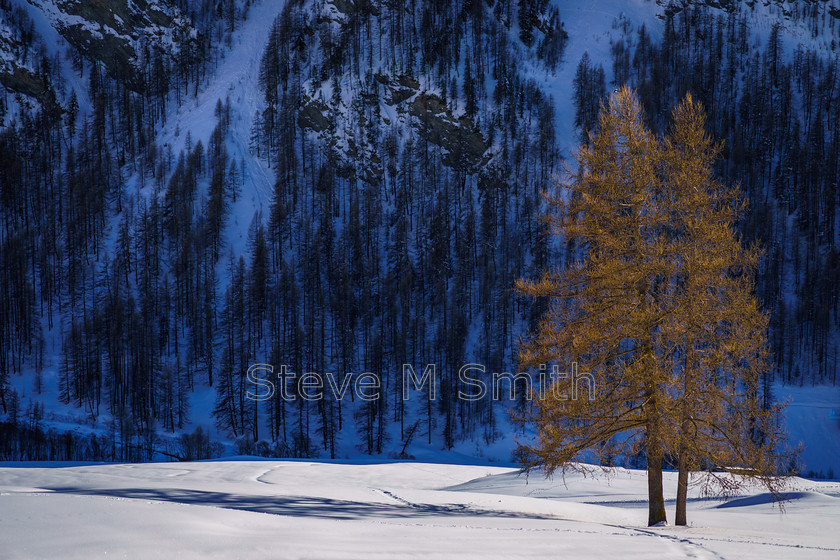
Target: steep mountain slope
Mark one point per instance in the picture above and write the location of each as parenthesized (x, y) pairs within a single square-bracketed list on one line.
[(346, 187)]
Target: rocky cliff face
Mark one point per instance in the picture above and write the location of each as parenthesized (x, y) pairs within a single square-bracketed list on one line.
[(121, 34), (18, 72), (463, 146)]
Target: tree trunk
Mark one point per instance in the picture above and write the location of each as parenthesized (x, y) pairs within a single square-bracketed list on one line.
[(655, 455), (682, 489), (685, 427), (656, 502)]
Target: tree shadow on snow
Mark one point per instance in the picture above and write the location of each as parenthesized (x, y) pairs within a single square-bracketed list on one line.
[(294, 506)]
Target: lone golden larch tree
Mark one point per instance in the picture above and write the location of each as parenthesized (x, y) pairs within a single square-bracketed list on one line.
[(658, 306)]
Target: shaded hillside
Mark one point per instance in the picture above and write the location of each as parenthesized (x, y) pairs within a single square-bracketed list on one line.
[(350, 186)]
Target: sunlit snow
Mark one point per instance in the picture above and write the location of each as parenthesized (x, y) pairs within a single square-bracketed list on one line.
[(304, 509)]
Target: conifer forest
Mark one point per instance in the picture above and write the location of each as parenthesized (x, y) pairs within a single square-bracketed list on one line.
[(192, 187)]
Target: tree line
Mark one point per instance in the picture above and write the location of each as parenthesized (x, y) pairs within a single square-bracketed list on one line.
[(393, 236)]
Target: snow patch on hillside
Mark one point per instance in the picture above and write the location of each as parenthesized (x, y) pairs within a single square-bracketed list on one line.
[(236, 78), (812, 418), (591, 26)]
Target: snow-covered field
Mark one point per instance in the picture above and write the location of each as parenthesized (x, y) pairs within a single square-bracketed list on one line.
[(302, 509)]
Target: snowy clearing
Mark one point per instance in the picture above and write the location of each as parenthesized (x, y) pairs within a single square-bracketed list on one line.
[(304, 509)]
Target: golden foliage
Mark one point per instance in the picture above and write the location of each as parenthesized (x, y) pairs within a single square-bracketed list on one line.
[(659, 307)]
